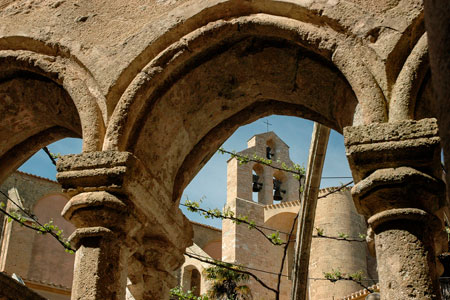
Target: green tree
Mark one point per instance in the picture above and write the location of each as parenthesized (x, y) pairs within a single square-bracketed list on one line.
[(226, 283), (177, 293)]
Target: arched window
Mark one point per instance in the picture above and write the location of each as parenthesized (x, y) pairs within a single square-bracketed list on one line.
[(195, 282), (257, 183), (279, 186), (270, 149), (191, 280)]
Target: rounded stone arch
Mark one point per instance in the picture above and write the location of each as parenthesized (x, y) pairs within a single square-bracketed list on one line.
[(205, 42), (192, 279), (165, 98), (47, 96), (411, 90), (281, 220), (405, 35)]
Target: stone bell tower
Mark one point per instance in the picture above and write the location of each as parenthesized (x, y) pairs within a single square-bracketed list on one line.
[(271, 185), (251, 187), (254, 190)]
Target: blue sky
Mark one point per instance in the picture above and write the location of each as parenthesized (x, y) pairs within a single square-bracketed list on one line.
[(210, 182)]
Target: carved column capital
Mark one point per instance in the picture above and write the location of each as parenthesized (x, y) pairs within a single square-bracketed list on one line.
[(398, 187), (111, 177), (125, 218), (91, 209), (399, 160)]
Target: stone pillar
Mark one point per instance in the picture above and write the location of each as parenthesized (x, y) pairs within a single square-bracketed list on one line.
[(100, 261), (127, 227), (396, 167)]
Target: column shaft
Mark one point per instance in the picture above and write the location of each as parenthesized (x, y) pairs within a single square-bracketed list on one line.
[(396, 167), (405, 250), (100, 268)]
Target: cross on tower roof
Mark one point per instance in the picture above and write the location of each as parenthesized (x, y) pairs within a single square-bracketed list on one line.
[(268, 124)]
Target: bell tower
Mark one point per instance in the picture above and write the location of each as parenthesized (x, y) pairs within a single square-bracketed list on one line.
[(252, 188), (260, 183)]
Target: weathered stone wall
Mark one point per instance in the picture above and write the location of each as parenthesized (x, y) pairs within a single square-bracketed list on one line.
[(169, 81), (248, 247)]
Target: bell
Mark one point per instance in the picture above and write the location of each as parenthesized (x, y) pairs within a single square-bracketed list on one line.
[(277, 190), (269, 153), (277, 195), (256, 185)]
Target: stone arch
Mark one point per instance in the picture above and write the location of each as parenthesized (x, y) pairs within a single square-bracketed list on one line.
[(186, 57), (410, 80), (185, 19), (191, 279), (282, 220), (409, 35), (56, 98), (200, 44)]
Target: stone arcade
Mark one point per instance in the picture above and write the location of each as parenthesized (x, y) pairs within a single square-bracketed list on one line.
[(154, 87)]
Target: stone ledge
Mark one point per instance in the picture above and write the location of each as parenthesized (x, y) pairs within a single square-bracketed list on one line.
[(389, 145), (388, 132), (13, 290)]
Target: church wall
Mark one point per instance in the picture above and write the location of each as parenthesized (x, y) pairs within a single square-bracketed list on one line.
[(49, 263), (204, 234), (248, 247), (37, 258), (336, 214)]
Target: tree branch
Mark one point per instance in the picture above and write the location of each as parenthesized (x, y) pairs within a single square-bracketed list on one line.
[(336, 190), (222, 265), (49, 155), (42, 228)]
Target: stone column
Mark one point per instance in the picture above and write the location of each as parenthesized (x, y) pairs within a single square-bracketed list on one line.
[(396, 167), (122, 214), (100, 262)]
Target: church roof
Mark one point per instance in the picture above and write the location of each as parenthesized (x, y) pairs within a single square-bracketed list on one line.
[(361, 294), (267, 135)]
